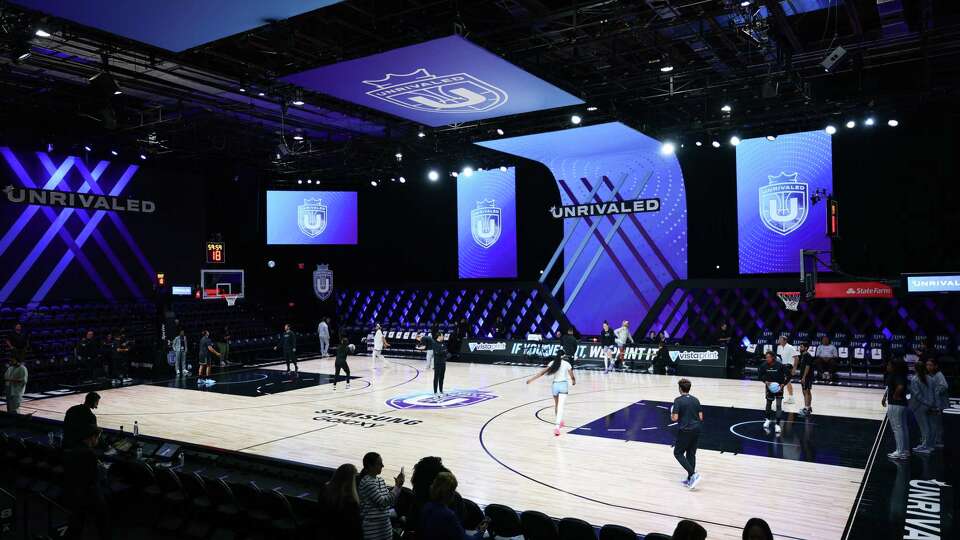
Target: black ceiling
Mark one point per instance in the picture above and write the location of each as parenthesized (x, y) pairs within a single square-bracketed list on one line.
[(187, 106)]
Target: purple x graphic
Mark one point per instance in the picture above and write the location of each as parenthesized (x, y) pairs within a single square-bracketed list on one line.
[(57, 222)]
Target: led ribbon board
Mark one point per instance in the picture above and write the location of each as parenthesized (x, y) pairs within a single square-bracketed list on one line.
[(438, 82), (487, 224), (775, 216), (311, 217), (175, 25), (614, 266)]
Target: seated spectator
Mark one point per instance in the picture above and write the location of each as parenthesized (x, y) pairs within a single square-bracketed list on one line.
[(83, 493), (689, 530), (79, 419), (376, 500), (437, 520), (424, 472), (340, 506), (757, 529)]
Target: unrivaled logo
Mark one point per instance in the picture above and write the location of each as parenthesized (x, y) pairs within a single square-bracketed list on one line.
[(427, 400), (486, 223), (323, 282), (933, 283), (312, 217), (454, 93), (784, 203)]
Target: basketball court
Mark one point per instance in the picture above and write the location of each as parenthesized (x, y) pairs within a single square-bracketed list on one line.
[(612, 464)]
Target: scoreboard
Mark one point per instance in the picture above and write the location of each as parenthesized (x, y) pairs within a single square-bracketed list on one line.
[(216, 253)]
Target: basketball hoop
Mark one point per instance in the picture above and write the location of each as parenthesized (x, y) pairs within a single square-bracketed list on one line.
[(231, 299), (791, 299)]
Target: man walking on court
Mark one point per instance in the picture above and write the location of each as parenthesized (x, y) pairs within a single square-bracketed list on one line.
[(807, 366), (180, 353), (379, 342), (323, 333), (288, 341), (688, 415), (427, 343)]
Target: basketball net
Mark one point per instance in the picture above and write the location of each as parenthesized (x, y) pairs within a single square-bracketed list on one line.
[(231, 299), (791, 299)]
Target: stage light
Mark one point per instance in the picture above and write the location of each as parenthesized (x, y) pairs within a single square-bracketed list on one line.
[(298, 137), (726, 108), (591, 108), (666, 69), (403, 180), (433, 176), (892, 123), (734, 140), (114, 152), (869, 122), (143, 156), (718, 267), (87, 148), (575, 119), (399, 156), (271, 263), (745, 3), (715, 144), (421, 134), (300, 181), (298, 102), (21, 53), (503, 168), (455, 174), (309, 181), (243, 90), (851, 124), (467, 171), (831, 129), (373, 183), (261, 94), (771, 137), (667, 148), (42, 33), (499, 131), (698, 143), (394, 179)]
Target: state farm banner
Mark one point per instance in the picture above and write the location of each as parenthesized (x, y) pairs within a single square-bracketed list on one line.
[(854, 289)]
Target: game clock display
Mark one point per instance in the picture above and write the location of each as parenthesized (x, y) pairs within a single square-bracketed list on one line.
[(216, 253)]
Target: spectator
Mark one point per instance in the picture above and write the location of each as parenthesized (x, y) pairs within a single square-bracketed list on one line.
[(82, 488), (18, 342), (323, 334), (920, 404), (895, 400), (570, 344), (437, 521), (15, 381), (689, 530), (341, 506), (757, 529), (941, 401), (180, 353), (376, 500), (424, 472), (88, 352), (826, 359), (79, 420)]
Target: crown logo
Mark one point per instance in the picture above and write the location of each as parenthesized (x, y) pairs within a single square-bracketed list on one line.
[(313, 202), (393, 79), (486, 203), (783, 177)]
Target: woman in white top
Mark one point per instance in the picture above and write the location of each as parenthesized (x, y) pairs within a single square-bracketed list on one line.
[(562, 372)]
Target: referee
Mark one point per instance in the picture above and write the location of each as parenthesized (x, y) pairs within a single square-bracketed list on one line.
[(688, 415)]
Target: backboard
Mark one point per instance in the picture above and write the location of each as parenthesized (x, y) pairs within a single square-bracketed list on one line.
[(216, 283)]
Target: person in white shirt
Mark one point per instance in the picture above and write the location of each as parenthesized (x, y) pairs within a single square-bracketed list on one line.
[(323, 333), (788, 357), (563, 376), (379, 342), (180, 353), (623, 336), (826, 359)]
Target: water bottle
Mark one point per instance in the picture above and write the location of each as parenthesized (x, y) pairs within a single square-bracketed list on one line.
[(136, 429)]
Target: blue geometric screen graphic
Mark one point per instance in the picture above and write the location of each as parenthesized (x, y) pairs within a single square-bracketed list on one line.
[(487, 224), (776, 217), (614, 266)]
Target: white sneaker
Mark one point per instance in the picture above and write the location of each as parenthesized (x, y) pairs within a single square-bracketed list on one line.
[(694, 480), (777, 429), (789, 401), (766, 424)]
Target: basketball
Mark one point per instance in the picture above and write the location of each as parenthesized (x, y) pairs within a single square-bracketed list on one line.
[(773, 388), (352, 348)]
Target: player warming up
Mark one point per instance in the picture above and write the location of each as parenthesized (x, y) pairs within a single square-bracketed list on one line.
[(563, 376), (379, 342), (774, 375), (688, 415), (341, 363)]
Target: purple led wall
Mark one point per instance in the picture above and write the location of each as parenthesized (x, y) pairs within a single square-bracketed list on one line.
[(613, 266)]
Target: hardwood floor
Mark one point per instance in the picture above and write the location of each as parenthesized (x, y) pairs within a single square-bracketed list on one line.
[(503, 450)]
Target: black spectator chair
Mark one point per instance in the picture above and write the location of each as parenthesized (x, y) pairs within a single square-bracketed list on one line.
[(538, 526), (616, 532), (657, 536), (223, 500), (576, 529), (283, 522), (472, 515), (199, 505), (173, 501), (504, 521), (248, 496)]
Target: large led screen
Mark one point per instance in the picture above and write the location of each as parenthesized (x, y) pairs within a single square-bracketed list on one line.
[(436, 83), (311, 217), (776, 215), (487, 224)]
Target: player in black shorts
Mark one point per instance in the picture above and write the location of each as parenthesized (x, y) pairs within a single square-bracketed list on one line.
[(806, 368), (688, 415), (341, 363), (772, 371)]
